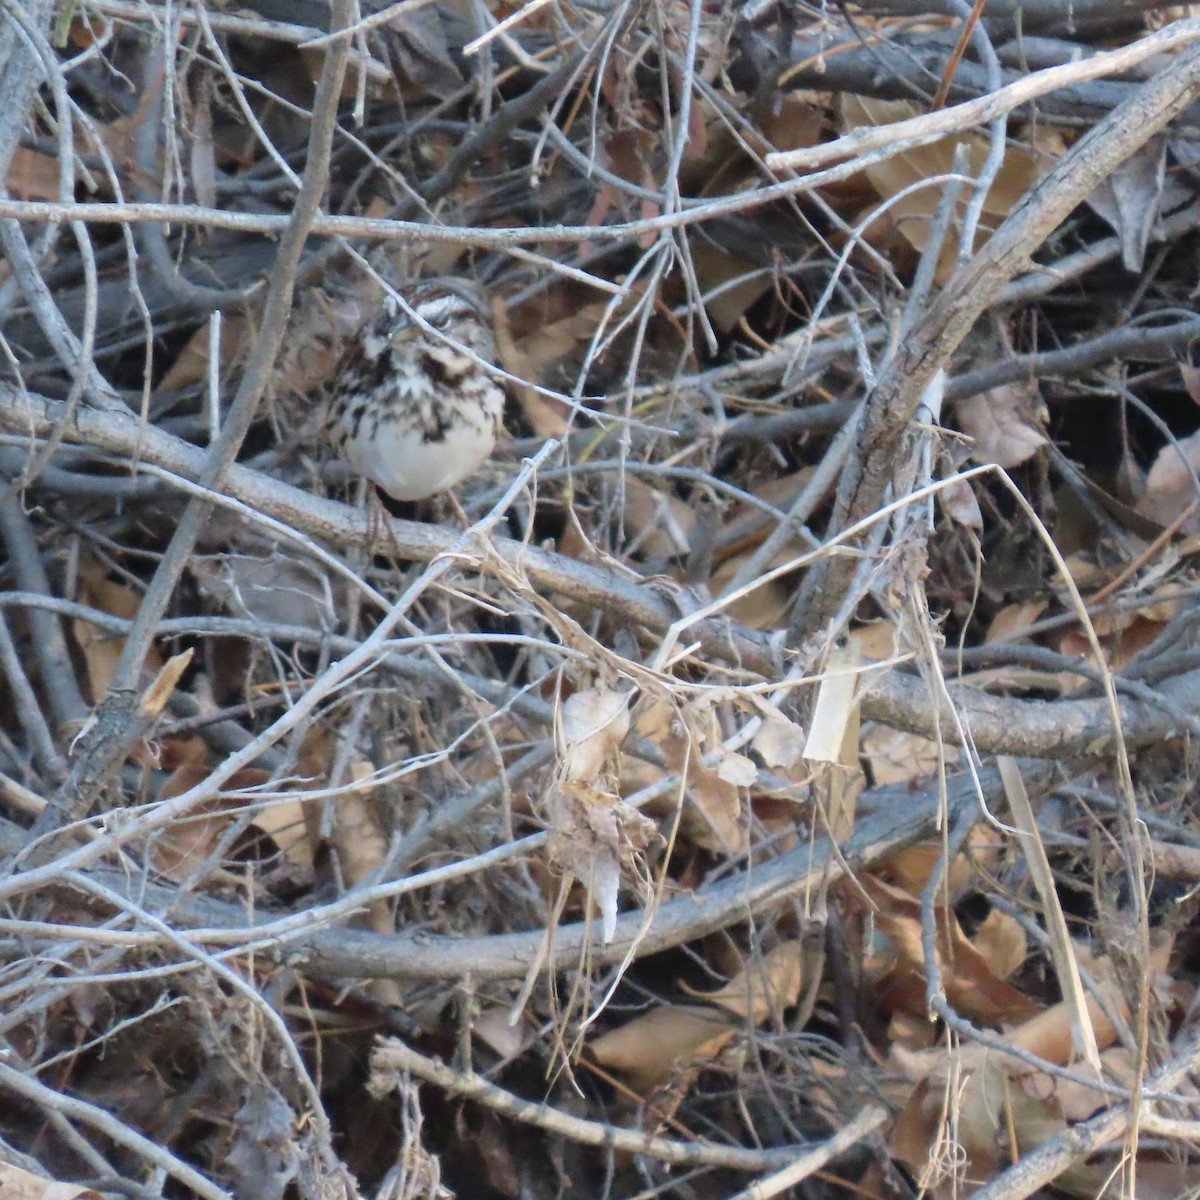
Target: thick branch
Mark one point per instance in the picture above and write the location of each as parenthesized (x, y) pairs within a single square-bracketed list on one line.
[(999, 724), (897, 819)]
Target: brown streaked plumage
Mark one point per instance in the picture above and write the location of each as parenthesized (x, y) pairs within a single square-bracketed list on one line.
[(412, 409)]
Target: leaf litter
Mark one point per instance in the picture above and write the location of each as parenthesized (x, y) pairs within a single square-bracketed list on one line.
[(599, 820)]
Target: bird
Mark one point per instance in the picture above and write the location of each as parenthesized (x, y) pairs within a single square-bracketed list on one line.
[(412, 404)]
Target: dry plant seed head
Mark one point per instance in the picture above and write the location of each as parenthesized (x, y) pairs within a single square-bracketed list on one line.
[(412, 408)]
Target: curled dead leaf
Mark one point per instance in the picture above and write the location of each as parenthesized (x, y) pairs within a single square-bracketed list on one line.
[(1170, 483), (593, 834), (912, 213), (650, 1048), (18, 1184), (971, 984), (1005, 424), (780, 742), (592, 724), (737, 769)]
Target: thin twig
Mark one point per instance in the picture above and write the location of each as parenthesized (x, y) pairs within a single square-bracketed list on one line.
[(999, 724), (1042, 1166), (50, 645), (858, 1127), (90, 1114), (391, 1056), (917, 131), (107, 743), (897, 394)]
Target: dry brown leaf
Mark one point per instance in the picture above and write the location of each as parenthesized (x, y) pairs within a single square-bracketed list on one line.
[(913, 213), (765, 606), (1013, 620), (284, 824), (980, 1111), (32, 175), (1077, 1100), (1048, 1035), (424, 63), (1129, 198), (1157, 1179), (116, 599), (1160, 606), (271, 586), (102, 650), (19, 1184), (894, 756), (361, 844), (877, 640), (729, 282), (910, 1034), (650, 1048), (494, 1029), (987, 1091), (780, 742), (361, 847), (1002, 942), (191, 365), (737, 769), (1170, 489), (970, 983), (1004, 424), (1085, 572), (910, 869), (189, 841), (795, 122), (592, 724), (744, 526), (959, 502), (593, 832), (534, 339), (763, 987), (712, 817), (1123, 634), (792, 123), (658, 523), (712, 814)]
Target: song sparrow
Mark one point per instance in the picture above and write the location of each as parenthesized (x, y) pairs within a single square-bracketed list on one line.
[(411, 408)]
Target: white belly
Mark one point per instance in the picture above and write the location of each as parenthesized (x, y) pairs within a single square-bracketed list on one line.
[(408, 467)]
